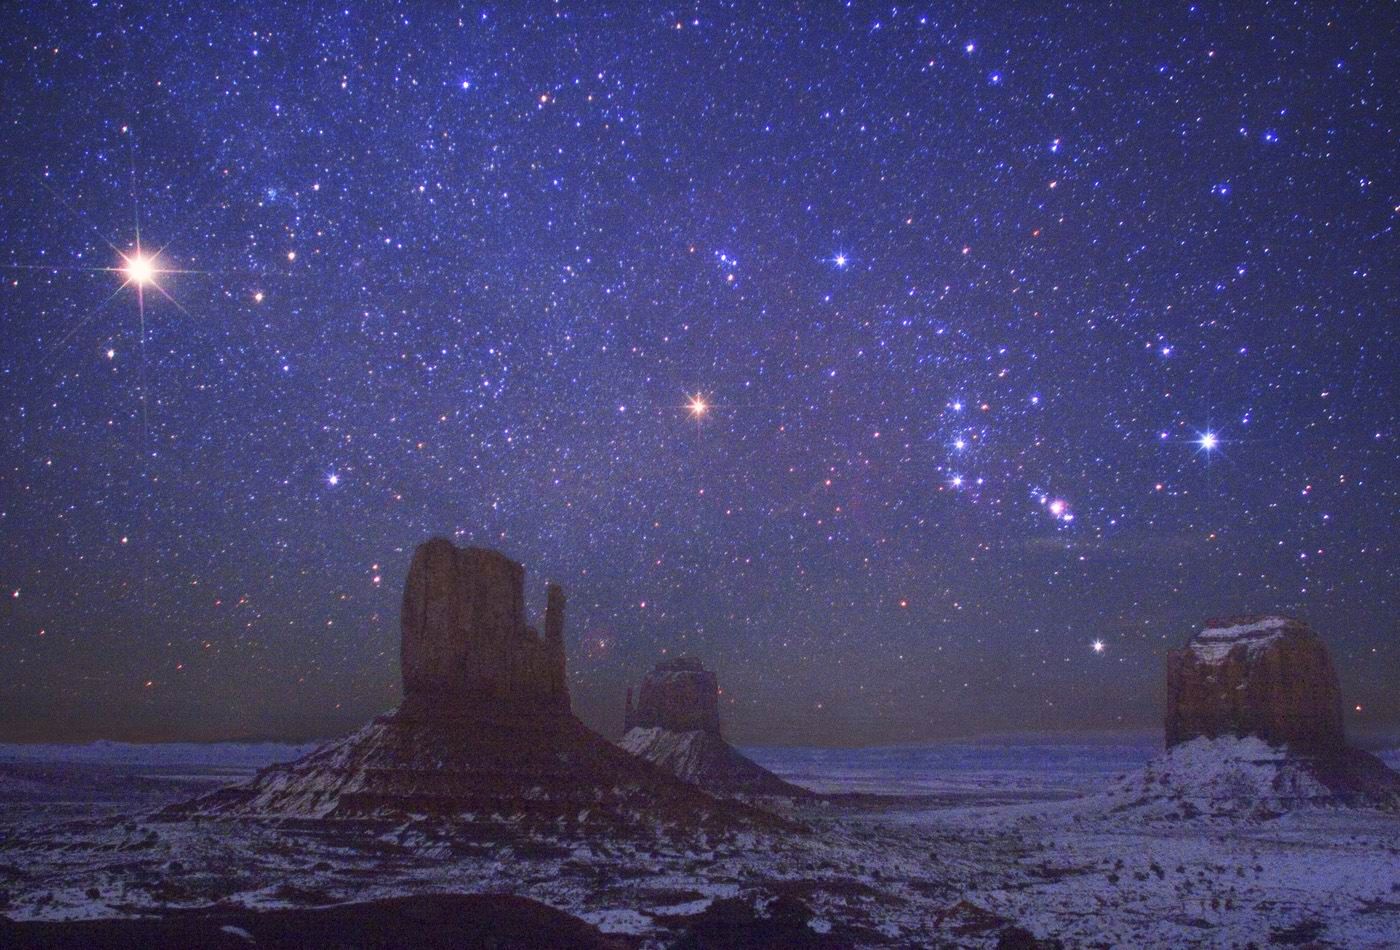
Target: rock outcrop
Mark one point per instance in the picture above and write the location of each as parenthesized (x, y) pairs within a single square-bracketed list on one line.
[(1254, 726), (678, 695), (674, 723), (418, 920), (1259, 675), (1233, 777), (484, 731), (466, 648)]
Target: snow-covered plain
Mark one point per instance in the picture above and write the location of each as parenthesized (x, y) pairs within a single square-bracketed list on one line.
[(974, 838)]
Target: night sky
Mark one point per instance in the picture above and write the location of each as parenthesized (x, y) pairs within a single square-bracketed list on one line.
[(886, 357)]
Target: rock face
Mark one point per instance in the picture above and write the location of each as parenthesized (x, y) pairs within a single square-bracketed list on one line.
[(1254, 725), (674, 724), (485, 730), (678, 695), (1259, 675), (466, 648)]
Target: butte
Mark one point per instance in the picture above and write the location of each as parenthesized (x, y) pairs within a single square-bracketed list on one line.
[(675, 724), (1270, 677), (485, 730)]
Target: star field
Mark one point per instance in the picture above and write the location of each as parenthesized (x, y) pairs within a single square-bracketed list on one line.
[(927, 370)]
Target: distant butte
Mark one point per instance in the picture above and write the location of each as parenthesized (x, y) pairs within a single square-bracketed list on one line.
[(466, 649), (1259, 675), (674, 723), (1270, 677), (485, 729), (678, 695)]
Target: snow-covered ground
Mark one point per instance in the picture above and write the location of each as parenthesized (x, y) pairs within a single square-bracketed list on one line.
[(1008, 769), (252, 755), (982, 837)]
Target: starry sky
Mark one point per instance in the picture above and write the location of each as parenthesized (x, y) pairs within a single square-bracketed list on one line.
[(929, 370)]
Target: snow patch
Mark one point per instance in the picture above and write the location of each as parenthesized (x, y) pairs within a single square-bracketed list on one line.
[(683, 753), (619, 920), (1214, 644), (1225, 776)]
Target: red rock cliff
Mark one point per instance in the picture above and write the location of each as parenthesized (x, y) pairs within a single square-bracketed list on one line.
[(1258, 675), (465, 643), (679, 695)]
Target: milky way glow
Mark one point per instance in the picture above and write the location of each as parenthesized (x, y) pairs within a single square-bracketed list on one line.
[(770, 351)]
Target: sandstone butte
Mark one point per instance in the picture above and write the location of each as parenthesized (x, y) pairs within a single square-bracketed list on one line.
[(1257, 675), (485, 730), (1271, 677), (674, 723)]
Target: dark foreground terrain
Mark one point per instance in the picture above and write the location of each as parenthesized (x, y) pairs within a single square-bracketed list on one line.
[(496, 921), (960, 845)]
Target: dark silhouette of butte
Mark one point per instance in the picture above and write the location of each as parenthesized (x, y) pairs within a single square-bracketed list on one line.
[(484, 730), (466, 651), (1270, 676), (675, 724)]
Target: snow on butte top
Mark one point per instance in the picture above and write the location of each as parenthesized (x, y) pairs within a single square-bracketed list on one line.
[(1220, 636)]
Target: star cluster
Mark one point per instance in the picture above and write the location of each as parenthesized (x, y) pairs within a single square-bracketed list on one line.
[(927, 370)]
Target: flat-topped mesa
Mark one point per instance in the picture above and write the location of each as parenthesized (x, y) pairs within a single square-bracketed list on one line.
[(675, 724), (1259, 675), (466, 649), (678, 695), (1254, 727)]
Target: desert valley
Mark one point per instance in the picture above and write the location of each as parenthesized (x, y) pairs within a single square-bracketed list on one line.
[(1251, 828)]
